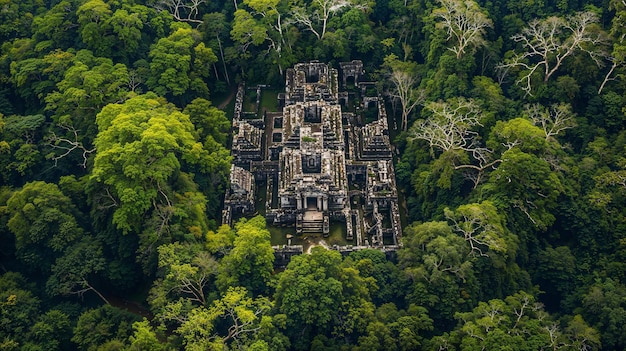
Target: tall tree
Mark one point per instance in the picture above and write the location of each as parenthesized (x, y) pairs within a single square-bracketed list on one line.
[(465, 23), (517, 323), (138, 176), (319, 294), (404, 77), (250, 262), (185, 279), (315, 16), (548, 42), (178, 63), (451, 127)]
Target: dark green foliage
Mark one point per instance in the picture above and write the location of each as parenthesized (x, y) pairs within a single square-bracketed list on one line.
[(103, 325)]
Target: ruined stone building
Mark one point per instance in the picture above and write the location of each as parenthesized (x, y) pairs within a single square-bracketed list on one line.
[(324, 157)]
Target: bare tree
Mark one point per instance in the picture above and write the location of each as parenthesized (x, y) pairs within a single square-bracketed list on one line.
[(67, 146), (481, 226), (618, 33), (550, 41), (315, 18), (450, 124), (552, 120), (465, 22), (182, 10), (450, 128), (405, 91)]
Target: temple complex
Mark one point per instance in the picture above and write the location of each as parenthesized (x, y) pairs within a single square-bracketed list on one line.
[(324, 157)]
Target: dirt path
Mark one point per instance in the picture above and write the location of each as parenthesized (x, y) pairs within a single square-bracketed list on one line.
[(230, 97), (130, 306)]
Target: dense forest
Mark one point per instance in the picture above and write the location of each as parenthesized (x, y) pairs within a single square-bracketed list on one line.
[(114, 160)]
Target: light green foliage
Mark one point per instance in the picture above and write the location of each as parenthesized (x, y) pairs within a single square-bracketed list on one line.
[(141, 144), (178, 62), (483, 228), (220, 241), (247, 31), (250, 262), (144, 338), (241, 314), (208, 120), (186, 276), (519, 323)]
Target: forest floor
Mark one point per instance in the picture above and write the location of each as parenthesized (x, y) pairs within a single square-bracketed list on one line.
[(230, 97), (130, 306)]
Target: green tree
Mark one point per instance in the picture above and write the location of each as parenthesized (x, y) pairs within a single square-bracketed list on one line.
[(208, 120), (95, 30), (320, 295), (603, 305), (440, 266), (519, 323), (88, 85), (391, 282), (22, 148), (483, 228), (144, 338), (42, 219), (19, 308), (57, 27), (547, 43), (52, 331), (102, 325), (35, 77), (250, 263), (179, 62), (73, 273), (185, 280), (141, 144), (240, 315), (127, 25)]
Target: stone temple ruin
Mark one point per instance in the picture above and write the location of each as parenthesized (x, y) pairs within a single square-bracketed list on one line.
[(325, 157)]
